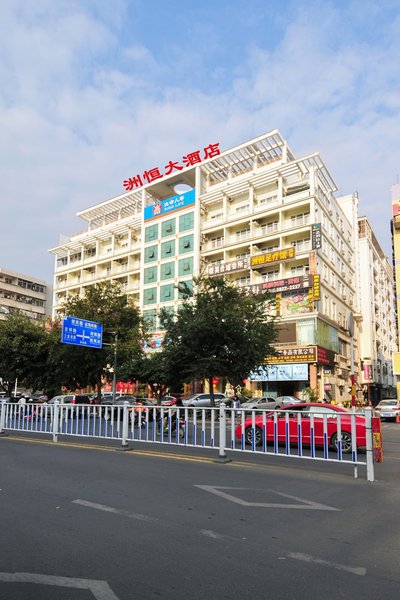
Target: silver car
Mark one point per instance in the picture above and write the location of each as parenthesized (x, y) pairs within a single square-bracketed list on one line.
[(200, 400), (260, 403)]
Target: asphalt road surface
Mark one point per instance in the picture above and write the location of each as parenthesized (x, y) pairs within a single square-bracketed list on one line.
[(83, 521)]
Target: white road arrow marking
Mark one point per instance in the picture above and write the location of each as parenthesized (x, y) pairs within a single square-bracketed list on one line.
[(302, 503), (100, 589)]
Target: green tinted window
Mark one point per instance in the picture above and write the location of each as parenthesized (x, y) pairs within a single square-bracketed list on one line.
[(168, 249), (150, 254), (150, 296), (150, 274), (185, 266), (168, 228), (186, 244), (167, 270), (186, 222), (167, 293), (150, 318), (151, 233)]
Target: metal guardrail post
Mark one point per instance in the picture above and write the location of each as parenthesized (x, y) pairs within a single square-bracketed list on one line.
[(56, 420), (369, 444), (222, 457), (3, 418), (125, 422)]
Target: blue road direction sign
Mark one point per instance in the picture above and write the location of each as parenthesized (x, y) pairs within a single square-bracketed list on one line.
[(80, 332)]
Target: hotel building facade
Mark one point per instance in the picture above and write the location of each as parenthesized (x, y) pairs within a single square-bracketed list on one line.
[(256, 214)]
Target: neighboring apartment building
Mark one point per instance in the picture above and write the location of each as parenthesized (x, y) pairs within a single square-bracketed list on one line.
[(27, 294), (378, 329), (396, 266), (257, 214)]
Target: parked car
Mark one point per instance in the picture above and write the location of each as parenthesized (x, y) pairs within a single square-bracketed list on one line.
[(264, 402), (388, 408), (306, 409), (168, 400), (286, 400), (200, 400)]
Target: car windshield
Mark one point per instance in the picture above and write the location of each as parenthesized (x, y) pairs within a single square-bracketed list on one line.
[(388, 403)]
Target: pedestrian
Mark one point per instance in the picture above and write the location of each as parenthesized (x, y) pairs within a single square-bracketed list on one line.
[(235, 401)]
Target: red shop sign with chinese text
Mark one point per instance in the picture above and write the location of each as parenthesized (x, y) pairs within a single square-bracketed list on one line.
[(155, 173)]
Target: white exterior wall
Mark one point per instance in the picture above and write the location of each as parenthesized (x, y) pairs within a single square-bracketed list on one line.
[(251, 200)]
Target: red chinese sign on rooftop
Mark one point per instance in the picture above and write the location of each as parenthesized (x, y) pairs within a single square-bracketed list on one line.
[(155, 173)]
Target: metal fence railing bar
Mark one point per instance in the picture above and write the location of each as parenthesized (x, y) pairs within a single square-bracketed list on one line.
[(310, 434)]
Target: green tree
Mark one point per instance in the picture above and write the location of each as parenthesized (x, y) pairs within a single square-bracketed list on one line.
[(75, 366), (220, 331), (23, 352)]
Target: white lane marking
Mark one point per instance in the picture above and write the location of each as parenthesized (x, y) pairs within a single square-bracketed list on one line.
[(100, 589), (304, 504), (212, 534), (115, 511), (311, 559)]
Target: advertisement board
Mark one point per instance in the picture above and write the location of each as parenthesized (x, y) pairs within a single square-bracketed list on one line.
[(170, 205), (290, 372)]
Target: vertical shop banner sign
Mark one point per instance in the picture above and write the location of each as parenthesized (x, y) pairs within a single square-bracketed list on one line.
[(312, 262), (316, 288), (316, 238)]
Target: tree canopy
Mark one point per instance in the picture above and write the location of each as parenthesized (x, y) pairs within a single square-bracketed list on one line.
[(220, 330), (23, 352), (105, 303)]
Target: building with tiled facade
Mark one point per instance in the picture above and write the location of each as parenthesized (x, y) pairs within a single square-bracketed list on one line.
[(257, 214)]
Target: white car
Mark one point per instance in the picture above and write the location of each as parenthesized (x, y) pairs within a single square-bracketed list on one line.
[(388, 408)]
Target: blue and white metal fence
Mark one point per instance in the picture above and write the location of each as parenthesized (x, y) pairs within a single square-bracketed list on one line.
[(344, 438)]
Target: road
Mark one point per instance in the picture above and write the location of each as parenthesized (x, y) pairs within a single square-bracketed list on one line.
[(83, 521)]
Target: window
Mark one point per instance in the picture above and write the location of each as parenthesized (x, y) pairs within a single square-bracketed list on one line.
[(270, 275), (185, 244), (168, 228), (215, 242), (151, 233), (150, 274), (269, 227), (243, 281), (301, 245), (186, 222), (150, 318), (150, 254), (242, 234), (300, 219), (167, 293), (185, 266), (167, 270), (242, 208), (150, 296), (168, 249)]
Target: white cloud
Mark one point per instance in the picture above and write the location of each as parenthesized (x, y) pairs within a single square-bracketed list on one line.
[(81, 109)]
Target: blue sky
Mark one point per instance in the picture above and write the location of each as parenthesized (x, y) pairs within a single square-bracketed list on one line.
[(94, 91)]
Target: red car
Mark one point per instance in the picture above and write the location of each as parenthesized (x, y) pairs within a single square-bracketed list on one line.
[(287, 424)]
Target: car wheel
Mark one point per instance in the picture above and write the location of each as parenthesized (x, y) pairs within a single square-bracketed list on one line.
[(346, 442), (258, 437)]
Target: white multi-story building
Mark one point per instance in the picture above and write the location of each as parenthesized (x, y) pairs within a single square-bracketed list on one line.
[(258, 215), (27, 294)]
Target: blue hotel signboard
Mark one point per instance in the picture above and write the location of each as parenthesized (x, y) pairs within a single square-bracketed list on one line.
[(165, 207), (80, 332)]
